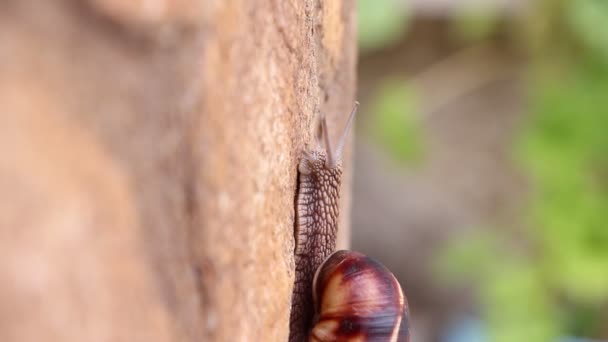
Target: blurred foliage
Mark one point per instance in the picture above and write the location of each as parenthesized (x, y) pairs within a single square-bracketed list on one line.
[(396, 123), (560, 285), (565, 150), (381, 23), (587, 19), (476, 23), (549, 279), (395, 126)]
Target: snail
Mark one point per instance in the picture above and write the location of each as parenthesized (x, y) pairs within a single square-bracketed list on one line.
[(357, 298)]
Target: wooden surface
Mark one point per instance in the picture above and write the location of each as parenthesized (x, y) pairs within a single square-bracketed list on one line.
[(148, 157)]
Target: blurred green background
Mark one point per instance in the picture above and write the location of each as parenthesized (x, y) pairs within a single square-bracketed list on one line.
[(482, 159)]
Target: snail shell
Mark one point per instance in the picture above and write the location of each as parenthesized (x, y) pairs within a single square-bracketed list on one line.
[(358, 299)]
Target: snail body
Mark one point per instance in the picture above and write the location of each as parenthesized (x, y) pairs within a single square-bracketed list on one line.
[(355, 297), (316, 228)]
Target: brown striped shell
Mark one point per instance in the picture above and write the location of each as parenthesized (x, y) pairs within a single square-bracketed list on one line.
[(358, 299)]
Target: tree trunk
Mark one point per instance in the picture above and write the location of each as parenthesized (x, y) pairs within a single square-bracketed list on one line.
[(148, 162)]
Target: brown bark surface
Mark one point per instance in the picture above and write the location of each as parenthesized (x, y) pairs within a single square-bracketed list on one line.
[(148, 162)]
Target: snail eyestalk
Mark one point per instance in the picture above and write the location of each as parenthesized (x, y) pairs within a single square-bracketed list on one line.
[(330, 157), (347, 128), (335, 156)]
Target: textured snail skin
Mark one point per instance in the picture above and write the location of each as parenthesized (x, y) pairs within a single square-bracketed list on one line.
[(358, 299), (316, 230)]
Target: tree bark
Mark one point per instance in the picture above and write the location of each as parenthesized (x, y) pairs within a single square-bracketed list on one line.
[(148, 162)]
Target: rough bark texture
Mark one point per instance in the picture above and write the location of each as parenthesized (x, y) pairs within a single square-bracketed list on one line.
[(148, 162)]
